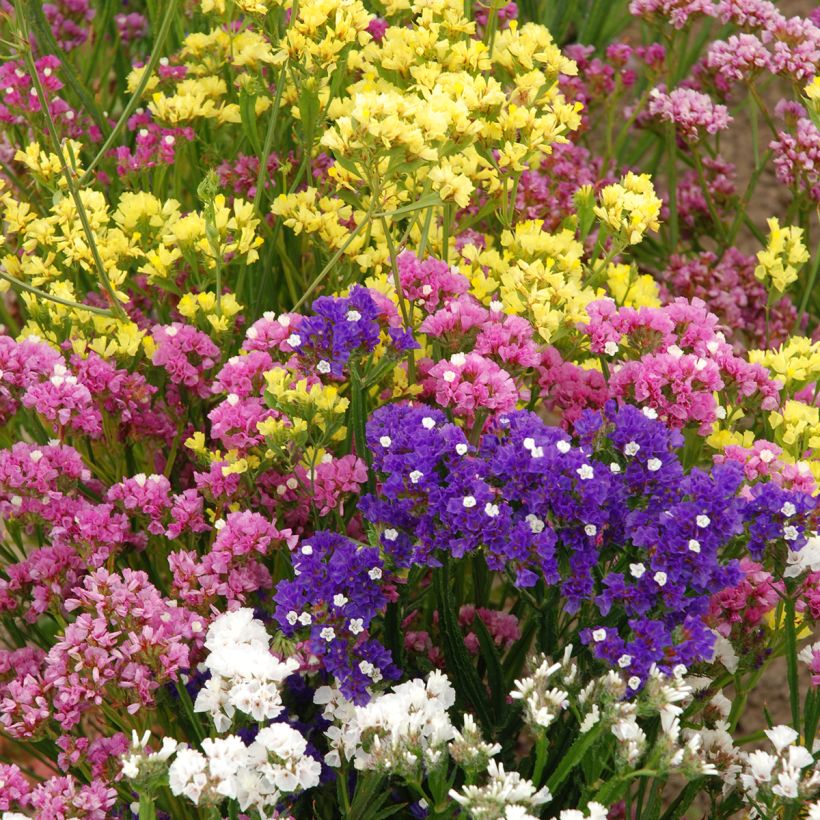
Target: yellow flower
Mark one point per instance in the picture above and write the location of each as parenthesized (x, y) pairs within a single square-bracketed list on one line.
[(629, 208), (630, 289), (781, 259)]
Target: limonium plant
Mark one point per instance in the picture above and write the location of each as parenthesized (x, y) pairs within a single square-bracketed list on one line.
[(406, 411)]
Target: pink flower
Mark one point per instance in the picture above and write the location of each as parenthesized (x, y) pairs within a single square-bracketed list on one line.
[(469, 384), (186, 354), (692, 113)]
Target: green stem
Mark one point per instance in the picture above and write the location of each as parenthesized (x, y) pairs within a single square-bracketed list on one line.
[(69, 174), (791, 661), (131, 106), (51, 297), (333, 260)]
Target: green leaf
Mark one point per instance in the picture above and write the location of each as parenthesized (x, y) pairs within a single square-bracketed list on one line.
[(579, 749), (495, 672), (470, 690), (247, 111)]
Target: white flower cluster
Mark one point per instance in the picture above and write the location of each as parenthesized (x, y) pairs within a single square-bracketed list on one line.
[(140, 767), (256, 776), (594, 811), (469, 749), (504, 795), (790, 774), (553, 687), (404, 731), (244, 673), (542, 702)]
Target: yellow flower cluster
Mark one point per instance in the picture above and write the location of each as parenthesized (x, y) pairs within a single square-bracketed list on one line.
[(435, 111), (321, 31), (630, 289), (204, 306), (797, 427), (318, 407), (139, 234), (630, 208), (538, 275), (795, 364), (780, 261)]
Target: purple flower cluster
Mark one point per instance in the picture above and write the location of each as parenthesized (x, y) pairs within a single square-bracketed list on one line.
[(613, 519), (337, 592), (341, 326)]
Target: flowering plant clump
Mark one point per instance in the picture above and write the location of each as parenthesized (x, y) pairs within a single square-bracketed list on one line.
[(405, 410)]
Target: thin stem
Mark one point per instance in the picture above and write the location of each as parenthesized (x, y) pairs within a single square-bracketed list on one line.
[(333, 260), (132, 104), (69, 178), (13, 280)]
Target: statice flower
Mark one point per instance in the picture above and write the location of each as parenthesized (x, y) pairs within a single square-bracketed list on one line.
[(431, 282), (132, 26), (504, 794), (797, 158), (733, 293), (593, 811), (341, 327), (244, 673), (186, 354), (751, 14), (70, 22), (470, 384), (154, 144), (738, 58), (403, 731), (334, 597), (693, 113), (787, 776), (258, 775), (677, 12)]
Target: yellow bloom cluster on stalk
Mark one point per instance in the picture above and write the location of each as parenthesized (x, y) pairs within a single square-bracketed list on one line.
[(796, 427), (51, 250), (780, 261), (795, 364), (629, 288), (630, 208)]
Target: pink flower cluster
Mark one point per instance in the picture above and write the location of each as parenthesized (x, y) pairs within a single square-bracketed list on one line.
[(762, 461), (692, 112), (58, 797), (729, 286), (744, 606), (679, 359), (69, 21), (233, 566), (797, 158)]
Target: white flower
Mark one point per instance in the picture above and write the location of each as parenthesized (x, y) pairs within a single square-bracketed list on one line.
[(703, 521), (356, 626), (591, 529), (660, 578), (650, 413), (462, 448), (781, 737), (427, 423), (637, 570), (694, 545), (385, 441), (468, 502), (631, 448), (491, 510), (585, 472), (599, 635), (416, 476), (761, 766), (653, 465), (328, 634), (563, 446)]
